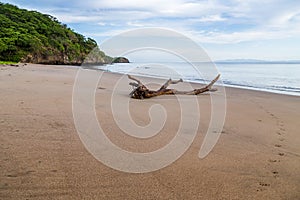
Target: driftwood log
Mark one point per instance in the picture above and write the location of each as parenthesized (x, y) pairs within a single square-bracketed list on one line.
[(140, 91)]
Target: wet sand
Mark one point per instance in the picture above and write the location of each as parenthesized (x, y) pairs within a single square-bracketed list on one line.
[(42, 157)]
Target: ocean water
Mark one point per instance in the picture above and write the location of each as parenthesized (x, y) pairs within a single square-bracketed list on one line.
[(276, 78)]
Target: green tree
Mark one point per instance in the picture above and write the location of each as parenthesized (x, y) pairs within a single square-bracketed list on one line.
[(31, 36)]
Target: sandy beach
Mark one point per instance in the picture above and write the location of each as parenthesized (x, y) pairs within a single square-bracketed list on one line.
[(42, 157)]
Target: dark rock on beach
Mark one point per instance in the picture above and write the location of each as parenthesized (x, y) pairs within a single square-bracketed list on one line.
[(120, 60)]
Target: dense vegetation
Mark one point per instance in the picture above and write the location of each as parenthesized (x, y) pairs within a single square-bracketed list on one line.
[(30, 36)]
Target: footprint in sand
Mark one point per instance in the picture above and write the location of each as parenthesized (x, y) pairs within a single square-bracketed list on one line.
[(282, 129), (281, 126), (280, 122), (57, 124), (273, 160), (281, 154), (273, 116), (264, 184), (13, 175), (275, 174)]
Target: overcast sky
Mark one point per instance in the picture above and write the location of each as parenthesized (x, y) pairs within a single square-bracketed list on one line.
[(233, 29)]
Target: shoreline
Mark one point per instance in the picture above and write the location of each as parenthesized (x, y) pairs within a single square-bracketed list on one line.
[(251, 88), (226, 84), (42, 157)]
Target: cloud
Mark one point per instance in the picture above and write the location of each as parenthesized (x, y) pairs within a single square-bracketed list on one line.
[(209, 21), (267, 20), (67, 18), (210, 18)]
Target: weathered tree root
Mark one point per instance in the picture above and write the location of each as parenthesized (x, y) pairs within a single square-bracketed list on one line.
[(140, 91)]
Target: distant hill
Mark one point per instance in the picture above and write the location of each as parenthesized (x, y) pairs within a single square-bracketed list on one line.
[(255, 61), (30, 36)]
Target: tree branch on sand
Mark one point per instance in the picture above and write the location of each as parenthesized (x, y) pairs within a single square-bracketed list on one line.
[(140, 91)]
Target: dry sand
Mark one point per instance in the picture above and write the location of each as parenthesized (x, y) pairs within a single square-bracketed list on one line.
[(42, 157)]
